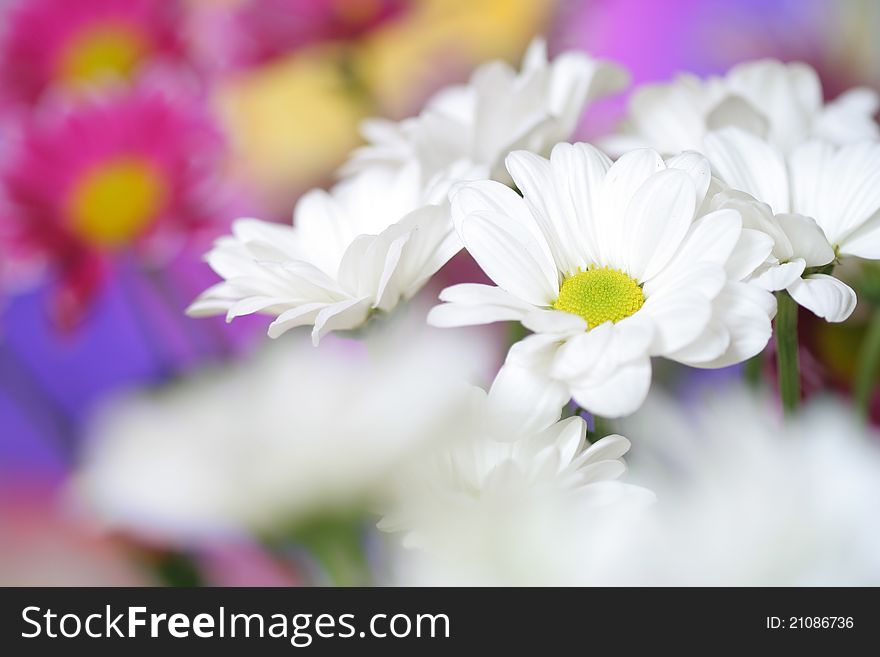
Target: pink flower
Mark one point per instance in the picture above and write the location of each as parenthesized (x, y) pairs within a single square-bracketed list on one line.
[(69, 43), (133, 170), (252, 32)]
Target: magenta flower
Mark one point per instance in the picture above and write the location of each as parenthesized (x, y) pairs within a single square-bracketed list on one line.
[(69, 43), (132, 171), (253, 32)]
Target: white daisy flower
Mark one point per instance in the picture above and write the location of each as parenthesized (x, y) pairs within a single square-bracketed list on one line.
[(747, 499), (820, 204), (609, 265), (498, 111), (363, 247), (779, 102), (513, 496), (267, 442)]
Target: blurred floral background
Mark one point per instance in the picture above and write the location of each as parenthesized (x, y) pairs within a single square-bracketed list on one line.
[(132, 132)]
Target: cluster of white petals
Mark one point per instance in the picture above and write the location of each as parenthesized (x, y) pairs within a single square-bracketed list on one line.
[(500, 110), (379, 235), (363, 247), (819, 204), (640, 218), (511, 495), (292, 432), (780, 103), (746, 499), (666, 240)]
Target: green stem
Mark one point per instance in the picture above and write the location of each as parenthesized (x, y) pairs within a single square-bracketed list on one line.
[(787, 352), (869, 359), (752, 370), (602, 427)]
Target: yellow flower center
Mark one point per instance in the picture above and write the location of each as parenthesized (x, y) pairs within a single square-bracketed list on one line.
[(100, 50), (600, 295), (114, 202)]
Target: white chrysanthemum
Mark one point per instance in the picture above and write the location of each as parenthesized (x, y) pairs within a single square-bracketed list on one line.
[(363, 247), (820, 203), (746, 499), (498, 111), (609, 264), (513, 496), (267, 442), (779, 102)]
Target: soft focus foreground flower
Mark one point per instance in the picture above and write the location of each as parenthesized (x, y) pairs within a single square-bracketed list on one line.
[(47, 43), (781, 103), (820, 204), (249, 33), (43, 545), (371, 242), (747, 500), (498, 111), (609, 264), (510, 495), (272, 441), (133, 169)]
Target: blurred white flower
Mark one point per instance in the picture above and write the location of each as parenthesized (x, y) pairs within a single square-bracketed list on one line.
[(609, 265), (513, 496), (265, 443), (819, 203), (498, 111), (371, 242), (745, 499), (779, 102)]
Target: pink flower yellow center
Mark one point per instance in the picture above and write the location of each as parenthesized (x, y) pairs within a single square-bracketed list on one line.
[(600, 295), (98, 50), (116, 201)]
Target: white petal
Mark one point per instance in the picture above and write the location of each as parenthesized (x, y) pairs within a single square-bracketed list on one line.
[(737, 112), (790, 95), (512, 263), (299, 316), (679, 317), (580, 355), (610, 447), (752, 249), (708, 346), (697, 167), (582, 168), (710, 240), (656, 221), (554, 321), (825, 296), (840, 189), (850, 117), (755, 216), (621, 182), (473, 303), (864, 242), (778, 277), (620, 394), (490, 198), (751, 165), (602, 350), (524, 400), (809, 166), (551, 206), (344, 315), (807, 239), (432, 243), (745, 312)]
